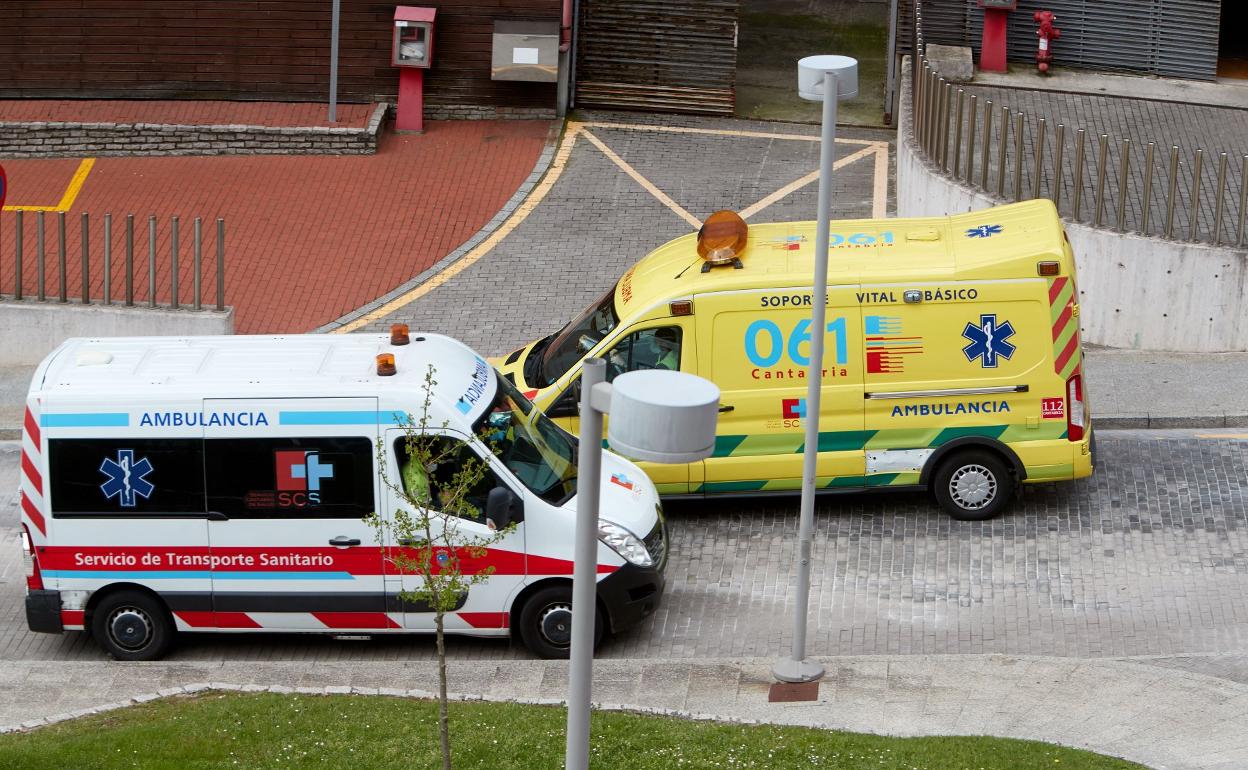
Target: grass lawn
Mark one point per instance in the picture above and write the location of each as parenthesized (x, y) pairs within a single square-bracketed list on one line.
[(770, 45), (358, 732)]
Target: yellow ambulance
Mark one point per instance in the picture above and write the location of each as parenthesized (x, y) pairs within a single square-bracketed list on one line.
[(952, 355)]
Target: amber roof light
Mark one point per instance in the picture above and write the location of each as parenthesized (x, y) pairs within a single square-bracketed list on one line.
[(722, 237)]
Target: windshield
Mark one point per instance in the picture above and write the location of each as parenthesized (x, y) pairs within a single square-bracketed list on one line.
[(532, 447), (578, 338)]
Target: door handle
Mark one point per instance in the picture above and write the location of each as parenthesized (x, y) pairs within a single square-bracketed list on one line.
[(216, 516), (342, 541), (726, 408), (413, 542)]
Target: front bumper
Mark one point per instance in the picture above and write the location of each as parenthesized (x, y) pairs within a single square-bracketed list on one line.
[(630, 594), (43, 611)]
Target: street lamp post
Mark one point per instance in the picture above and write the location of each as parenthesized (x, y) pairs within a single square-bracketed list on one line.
[(656, 416), (828, 79)]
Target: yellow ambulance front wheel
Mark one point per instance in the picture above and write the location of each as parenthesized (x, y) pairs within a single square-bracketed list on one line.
[(974, 484)]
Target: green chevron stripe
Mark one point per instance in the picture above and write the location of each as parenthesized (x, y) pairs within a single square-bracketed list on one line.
[(1048, 430), (903, 438), (951, 434), (769, 444), (840, 441), (676, 488), (725, 445)]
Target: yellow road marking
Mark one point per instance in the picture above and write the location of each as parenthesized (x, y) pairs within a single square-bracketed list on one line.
[(723, 132), (798, 184), (645, 183), (71, 192), (1223, 435), (484, 247), (879, 206)]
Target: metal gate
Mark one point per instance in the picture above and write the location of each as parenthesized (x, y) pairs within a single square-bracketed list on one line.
[(1174, 38), (665, 55)]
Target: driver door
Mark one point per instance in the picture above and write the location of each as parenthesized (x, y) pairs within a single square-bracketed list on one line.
[(482, 606), (660, 346)]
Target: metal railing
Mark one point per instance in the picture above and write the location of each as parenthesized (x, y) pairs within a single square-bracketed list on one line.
[(1010, 156), (167, 274)]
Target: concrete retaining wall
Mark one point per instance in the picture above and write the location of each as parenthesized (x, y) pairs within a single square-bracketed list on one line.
[(31, 330), (51, 140), (1136, 292)]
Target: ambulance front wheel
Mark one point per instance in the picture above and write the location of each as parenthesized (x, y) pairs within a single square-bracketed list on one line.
[(131, 625), (973, 485), (546, 622)]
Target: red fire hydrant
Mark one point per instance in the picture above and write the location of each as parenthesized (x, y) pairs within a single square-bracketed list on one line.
[(1047, 34)]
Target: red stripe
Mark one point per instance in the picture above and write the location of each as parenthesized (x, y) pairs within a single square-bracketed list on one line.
[(32, 428), (1060, 323), (486, 619), (34, 515), (198, 619), (1056, 288), (32, 473), (356, 619), (1064, 358), (73, 617)]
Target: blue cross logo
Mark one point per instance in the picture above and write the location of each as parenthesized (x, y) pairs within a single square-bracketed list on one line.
[(984, 231), (988, 340), (126, 478)]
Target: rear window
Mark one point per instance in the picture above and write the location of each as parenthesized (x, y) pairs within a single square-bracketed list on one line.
[(126, 477)]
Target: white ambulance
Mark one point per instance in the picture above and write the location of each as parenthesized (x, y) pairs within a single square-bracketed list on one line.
[(220, 484)]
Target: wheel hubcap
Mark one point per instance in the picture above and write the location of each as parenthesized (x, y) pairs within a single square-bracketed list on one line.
[(130, 628), (555, 623), (973, 487)]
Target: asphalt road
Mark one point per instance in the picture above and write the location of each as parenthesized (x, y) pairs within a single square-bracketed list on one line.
[(1148, 557)]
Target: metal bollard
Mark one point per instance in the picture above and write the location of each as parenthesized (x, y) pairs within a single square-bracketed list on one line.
[(983, 171), (86, 259), (1243, 202), (1101, 161), (1005, 138), (1221, 206), (1059, 171), (1039, 167), (198, 242), (1193, 230), (18, 235), (108, 259), (1123, 170), (173, 264), (946, 107), (1148, 186), (1080, 135), (151, 261), (957, 136), (1018, 156), (220, 264), (62, 294), (971, 117), (1174, 188), (39, 249), (129, 260)]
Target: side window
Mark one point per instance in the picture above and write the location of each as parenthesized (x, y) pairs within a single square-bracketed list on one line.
[(286, 478), (126, 477), (657, 348), (568, 404), (451, 457)]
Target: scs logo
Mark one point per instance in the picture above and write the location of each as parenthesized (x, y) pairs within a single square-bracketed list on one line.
[(793, 410), (299, 477)]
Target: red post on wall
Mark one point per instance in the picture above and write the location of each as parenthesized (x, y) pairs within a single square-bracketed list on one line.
[(412, 53), (992, 47)]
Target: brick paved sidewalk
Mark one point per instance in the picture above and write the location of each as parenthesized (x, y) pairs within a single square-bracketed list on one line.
[(182, 112), (308, 238), (1165, 718)]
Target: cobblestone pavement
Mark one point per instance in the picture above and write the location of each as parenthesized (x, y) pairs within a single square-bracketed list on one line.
[(597, 221), (1146, 558), (1211, 129)]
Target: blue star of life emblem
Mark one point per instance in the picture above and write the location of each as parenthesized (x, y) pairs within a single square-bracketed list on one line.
[(984, 231), (988, 340), (126, 478)]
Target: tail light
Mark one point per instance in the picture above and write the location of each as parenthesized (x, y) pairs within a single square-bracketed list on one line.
[(34, 579), (1076, 411)]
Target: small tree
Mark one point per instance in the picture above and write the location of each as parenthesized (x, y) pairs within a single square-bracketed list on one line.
[(420, 536)]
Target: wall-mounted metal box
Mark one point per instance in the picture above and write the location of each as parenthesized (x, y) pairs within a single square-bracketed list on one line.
[(526, 50)]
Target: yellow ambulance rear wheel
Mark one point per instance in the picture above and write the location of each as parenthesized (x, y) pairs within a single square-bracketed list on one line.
[(973, 485), (131, 625)]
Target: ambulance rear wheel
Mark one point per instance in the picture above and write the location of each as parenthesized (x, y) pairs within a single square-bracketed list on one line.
[(546, 623), (131, 625), (973, 485)]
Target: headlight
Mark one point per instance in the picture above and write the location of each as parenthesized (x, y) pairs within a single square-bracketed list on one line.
[(625, 543)]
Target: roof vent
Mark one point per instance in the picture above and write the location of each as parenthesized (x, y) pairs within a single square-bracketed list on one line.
[(93, 358), (923, 234)]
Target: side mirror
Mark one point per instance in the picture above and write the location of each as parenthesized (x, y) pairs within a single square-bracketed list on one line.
[(568, 404), (503, 508)]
